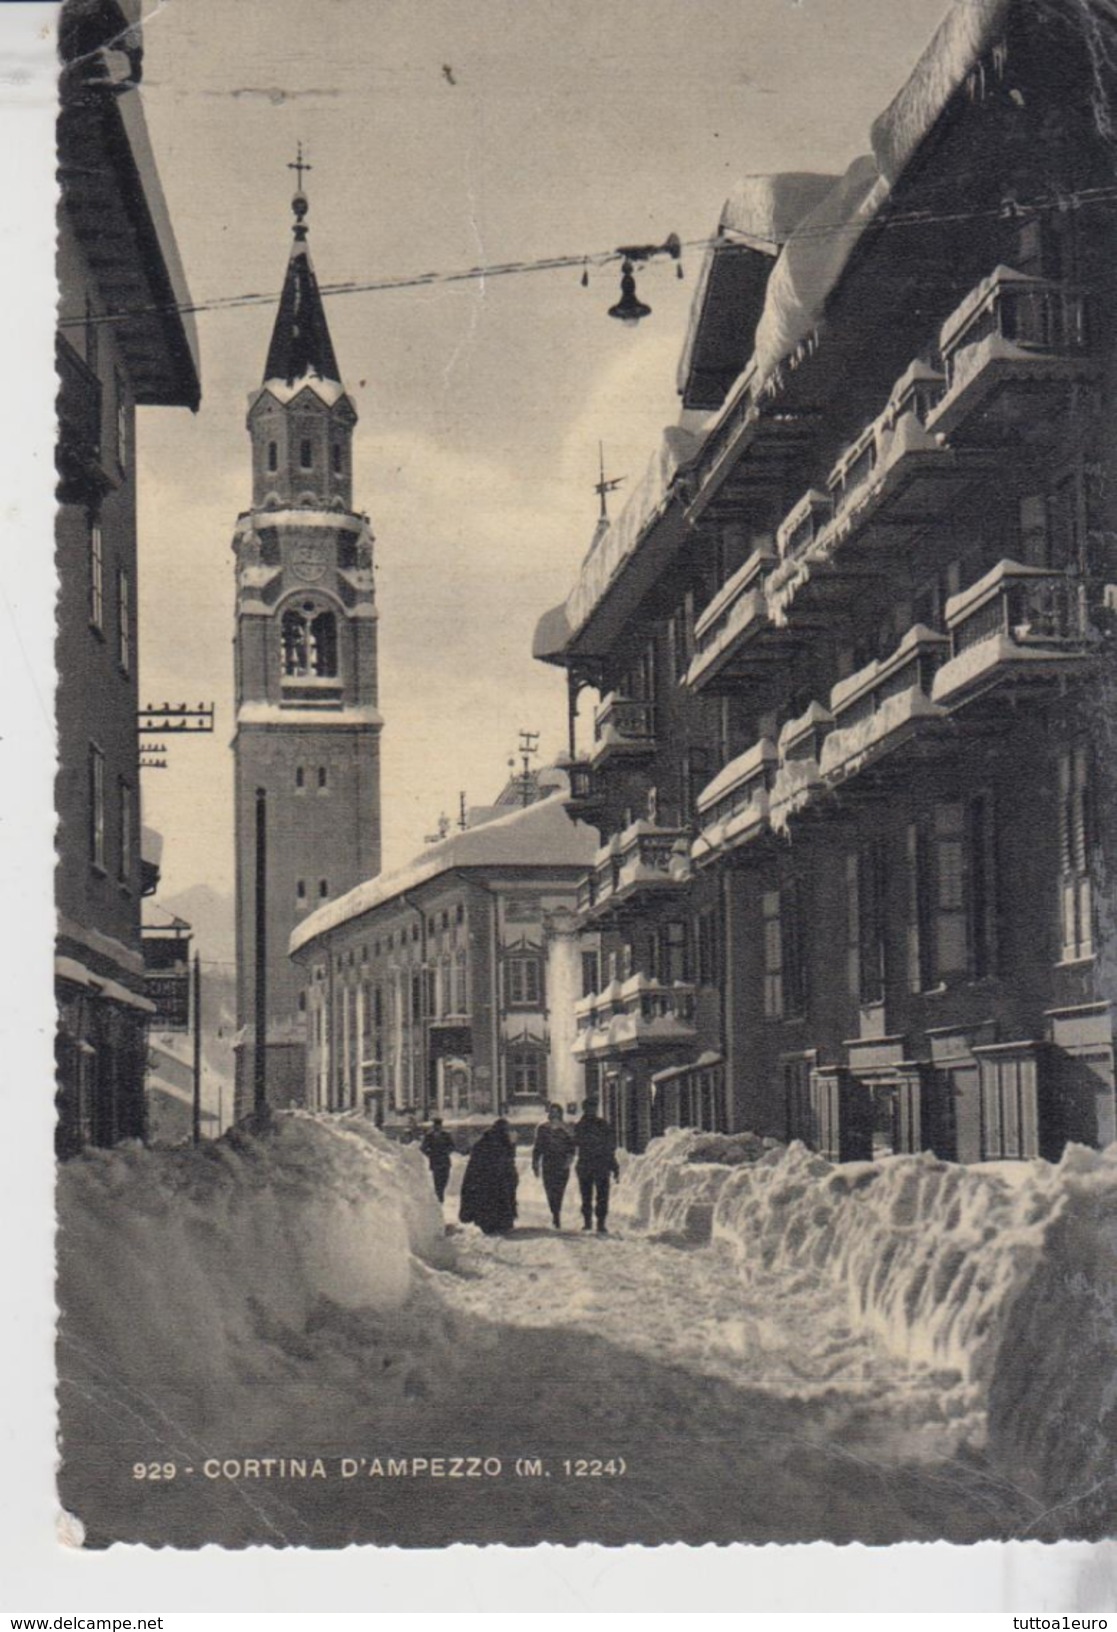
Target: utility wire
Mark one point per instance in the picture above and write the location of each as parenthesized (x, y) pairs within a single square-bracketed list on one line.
[(729, 238)]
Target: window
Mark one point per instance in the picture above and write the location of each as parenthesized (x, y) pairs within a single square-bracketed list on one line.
[(300, 777), (794, 948), (121, 420), (96, 577), (96, 807), (417, 995), (306, 454), (461, 984), (680, 637), (323, 888), (871, 894), (446, 988), (1009, 1120), (378, 1007), (527, 1073), (695, 775), (1076, 841), (323, 779), (773, 955), (709, 949), (309, 639), (524, 982), (674, 953), (590, 976), (273, 456), (124, 859), (300, 889), (337, 458), (124, 619)]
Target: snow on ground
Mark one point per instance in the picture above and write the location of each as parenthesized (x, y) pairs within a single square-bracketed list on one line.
[(778, 1349)]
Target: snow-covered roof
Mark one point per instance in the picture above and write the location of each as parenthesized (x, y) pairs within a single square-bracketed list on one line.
[(539, 835)]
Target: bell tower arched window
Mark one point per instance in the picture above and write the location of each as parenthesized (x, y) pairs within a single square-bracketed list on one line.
[(309, 641)]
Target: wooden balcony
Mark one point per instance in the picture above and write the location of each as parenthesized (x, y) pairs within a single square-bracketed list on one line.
[(1019, 627), (587, 797), (1012, 351), (733, 808), (623, 727), (884, 706), (635, 1016)]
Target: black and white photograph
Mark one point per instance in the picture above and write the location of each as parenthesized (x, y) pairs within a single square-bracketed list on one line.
[(585, 936)]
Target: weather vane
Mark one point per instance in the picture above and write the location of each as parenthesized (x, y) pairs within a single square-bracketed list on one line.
[(605, 484)]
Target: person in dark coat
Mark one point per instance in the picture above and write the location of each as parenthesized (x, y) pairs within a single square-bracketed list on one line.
[(597, 1164), (553, 1156), (489, 1185), (438, 1147)]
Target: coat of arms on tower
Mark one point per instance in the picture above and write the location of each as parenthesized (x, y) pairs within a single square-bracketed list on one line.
[(308, 561)]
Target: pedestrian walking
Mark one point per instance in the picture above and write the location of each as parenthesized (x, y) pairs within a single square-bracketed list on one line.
[(438, 1147), (489, 1185), (597, 1164), (552, 1156)]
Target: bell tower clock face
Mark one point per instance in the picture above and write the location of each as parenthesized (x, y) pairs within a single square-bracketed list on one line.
[(308, 561)]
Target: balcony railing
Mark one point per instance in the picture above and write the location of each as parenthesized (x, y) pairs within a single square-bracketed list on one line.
[(1010, 327), (802, 526), (622, 725), (1018, 622), (735, 614), (733, 808), (637, 1014), (799, 778), (883, 705), (643, 861), (78, 456)]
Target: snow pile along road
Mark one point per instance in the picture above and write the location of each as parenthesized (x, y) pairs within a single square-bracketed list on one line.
[(1001, 1280), (173, 1263)]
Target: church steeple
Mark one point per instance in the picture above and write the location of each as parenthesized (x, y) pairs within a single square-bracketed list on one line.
[(301, 418), (300, 344)]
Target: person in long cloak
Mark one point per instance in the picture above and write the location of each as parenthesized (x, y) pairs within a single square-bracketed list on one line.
[(489, 1186)]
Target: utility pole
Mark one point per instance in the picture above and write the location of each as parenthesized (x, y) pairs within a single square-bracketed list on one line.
[(260, 1090), (197, 1049)]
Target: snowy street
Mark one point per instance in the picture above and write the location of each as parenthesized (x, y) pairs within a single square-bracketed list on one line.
[(276, 1318)]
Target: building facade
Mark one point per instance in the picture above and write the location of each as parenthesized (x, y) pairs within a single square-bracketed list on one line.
[(449, 987), (123, 341), (307, 755), (853, 643)]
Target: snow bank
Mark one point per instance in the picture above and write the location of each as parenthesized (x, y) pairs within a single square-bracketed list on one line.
[(173, 1263), (1001, 1280)]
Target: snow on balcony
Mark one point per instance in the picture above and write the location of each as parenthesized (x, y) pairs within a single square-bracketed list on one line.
[(650, 857), (1010, 326), (738, 608), (1015, 620), (622, 725), (802, 524), (799, 777), (874, 708), (733, 808)]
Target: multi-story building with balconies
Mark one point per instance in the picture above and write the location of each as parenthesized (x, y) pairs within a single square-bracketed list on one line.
[(125, 340), (853, 640)]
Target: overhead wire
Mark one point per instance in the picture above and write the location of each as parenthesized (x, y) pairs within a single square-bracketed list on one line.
[(1005, 208)]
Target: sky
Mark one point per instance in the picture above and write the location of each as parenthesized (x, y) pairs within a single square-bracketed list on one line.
[(443, 136)]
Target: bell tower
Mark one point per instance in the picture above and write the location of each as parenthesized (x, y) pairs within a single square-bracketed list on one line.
[(307, 725)]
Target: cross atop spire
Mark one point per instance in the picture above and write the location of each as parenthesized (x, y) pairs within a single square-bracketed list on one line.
[(300, 165)]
